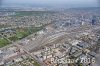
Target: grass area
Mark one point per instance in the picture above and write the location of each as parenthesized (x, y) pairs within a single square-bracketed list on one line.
[(13, 38), (32, 13), (20, 34), (35, 63), (24, 33), (3, 42)]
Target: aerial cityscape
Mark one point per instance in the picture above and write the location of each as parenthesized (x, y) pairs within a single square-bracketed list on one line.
[(49, 33)]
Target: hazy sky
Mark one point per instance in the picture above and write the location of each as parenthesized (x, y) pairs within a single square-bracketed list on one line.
[(55, 3)]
